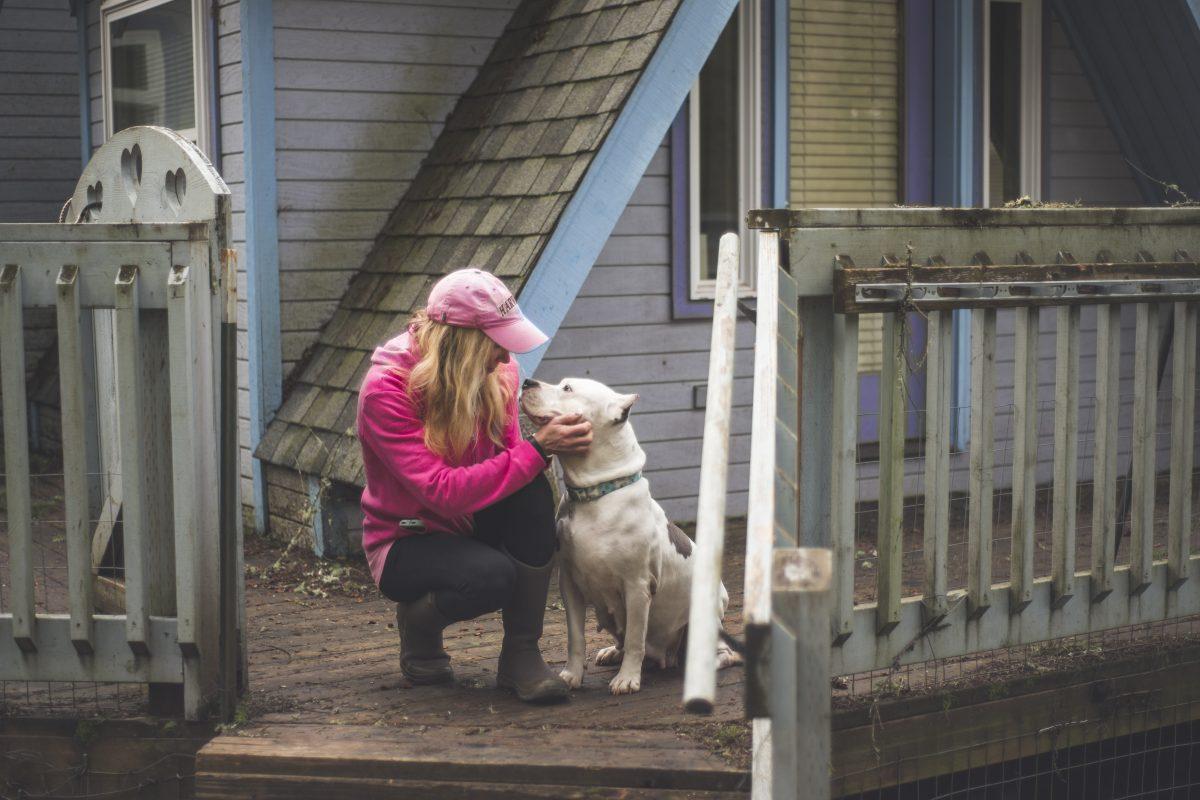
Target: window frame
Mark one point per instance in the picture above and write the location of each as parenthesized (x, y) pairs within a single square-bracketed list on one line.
[(1032, 20), (693, 295), (114, 10)]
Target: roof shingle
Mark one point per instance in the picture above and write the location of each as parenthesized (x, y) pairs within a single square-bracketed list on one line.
[(489, 194)]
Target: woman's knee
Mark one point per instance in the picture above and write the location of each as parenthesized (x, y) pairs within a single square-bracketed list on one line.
[(486, 584)]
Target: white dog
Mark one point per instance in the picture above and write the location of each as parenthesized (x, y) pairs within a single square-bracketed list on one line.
[(619, 551)]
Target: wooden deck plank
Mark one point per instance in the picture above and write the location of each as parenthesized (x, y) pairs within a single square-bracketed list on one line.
[(564, 756), (276, 787)]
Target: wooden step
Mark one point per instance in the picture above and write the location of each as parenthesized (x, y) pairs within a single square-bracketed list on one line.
[(298, 762)]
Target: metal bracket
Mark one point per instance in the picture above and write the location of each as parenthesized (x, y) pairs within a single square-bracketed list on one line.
[(889, 288)]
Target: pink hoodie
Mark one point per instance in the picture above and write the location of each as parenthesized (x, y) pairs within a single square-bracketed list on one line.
[(405, 480)]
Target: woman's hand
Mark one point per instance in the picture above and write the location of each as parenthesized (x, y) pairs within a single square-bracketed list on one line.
[(565, 435)]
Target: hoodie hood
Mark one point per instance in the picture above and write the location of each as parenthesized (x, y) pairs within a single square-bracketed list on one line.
[(396, 352)]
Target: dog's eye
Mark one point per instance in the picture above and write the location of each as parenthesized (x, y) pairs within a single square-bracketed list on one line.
[(567, 388)]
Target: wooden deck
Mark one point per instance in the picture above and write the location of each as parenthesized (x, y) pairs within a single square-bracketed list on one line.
[(329, 712), (335, 661)]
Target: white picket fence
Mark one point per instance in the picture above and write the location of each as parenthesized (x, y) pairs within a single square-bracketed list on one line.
[(838, 264), (139, 286)]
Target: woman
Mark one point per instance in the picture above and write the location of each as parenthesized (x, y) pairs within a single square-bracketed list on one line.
[(458, 515)]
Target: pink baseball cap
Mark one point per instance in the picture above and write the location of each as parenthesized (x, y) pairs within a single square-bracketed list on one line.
[(472, 298)]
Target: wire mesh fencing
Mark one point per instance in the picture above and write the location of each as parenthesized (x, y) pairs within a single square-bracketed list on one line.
[(1104, 715)]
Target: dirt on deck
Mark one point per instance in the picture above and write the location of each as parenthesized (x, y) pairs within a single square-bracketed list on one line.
[(323, 649)]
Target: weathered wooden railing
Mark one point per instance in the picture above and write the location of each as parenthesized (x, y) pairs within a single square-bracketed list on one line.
[(946, 266), (836, 265), (145, 269)]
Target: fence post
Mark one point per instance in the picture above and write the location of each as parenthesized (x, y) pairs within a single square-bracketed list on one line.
[(16, 459), (801, 598)]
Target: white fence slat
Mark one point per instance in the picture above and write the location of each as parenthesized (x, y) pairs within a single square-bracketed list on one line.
[(1025, 455), (1066, 451), (184, 448), (760, 520), (16, 458), (1104, 467), (982, 458), (938, 403), (1145, 424), (844, 483), (1183, 421), (133, 514), (890, 537), (700, 678), (41, 261), (75, 479)]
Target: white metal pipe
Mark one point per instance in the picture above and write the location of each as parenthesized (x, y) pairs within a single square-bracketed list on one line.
[(700, 682), (760, 522)]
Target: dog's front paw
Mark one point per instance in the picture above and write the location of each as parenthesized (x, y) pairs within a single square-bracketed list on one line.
[(625, 683), (726, 657), (572, 678), (607, 656)]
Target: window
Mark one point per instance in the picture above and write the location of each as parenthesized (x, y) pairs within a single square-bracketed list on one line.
[(844, 143), (1012, 101), (717, 153), (153, 58)]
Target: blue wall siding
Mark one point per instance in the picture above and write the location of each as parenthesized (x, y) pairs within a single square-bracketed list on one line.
[(362, 89), (1143, 63), (39, 129), (39, 109)]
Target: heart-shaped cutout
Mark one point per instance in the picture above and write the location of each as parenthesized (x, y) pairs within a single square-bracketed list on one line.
[(95, 202), (175, 189), (131, 171)]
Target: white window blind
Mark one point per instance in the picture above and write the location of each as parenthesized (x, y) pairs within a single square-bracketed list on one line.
[(844, 93)]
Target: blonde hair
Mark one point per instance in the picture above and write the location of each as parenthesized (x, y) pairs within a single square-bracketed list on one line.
[(456, 393)]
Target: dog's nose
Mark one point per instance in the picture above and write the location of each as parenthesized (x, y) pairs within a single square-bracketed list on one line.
[(529, 383)]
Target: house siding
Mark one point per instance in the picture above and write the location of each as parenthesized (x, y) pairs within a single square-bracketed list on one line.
[(39, 109), (620, 331), (39, 155), (1083, 161), (362, 90)]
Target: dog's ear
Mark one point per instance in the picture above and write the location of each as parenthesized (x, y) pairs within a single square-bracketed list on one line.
[(621, 407)]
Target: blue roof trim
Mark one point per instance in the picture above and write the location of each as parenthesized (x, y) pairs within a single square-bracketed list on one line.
[(616, 169), (262, 229)]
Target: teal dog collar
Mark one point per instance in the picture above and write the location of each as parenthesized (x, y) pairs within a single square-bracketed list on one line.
[(586, 493)]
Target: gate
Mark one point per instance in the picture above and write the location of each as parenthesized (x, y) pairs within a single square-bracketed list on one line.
[(141, 282), (819, 271)]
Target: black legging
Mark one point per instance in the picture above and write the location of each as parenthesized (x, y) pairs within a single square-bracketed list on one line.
[(469, 575)]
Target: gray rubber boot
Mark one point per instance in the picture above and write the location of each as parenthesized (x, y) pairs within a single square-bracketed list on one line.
[(521, 666), (423, 660)]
